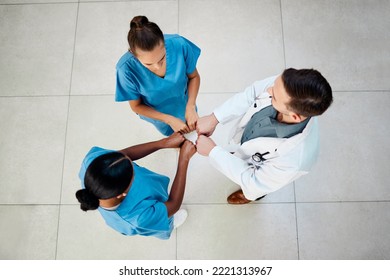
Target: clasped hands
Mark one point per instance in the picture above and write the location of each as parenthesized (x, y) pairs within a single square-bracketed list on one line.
[(205, 127)]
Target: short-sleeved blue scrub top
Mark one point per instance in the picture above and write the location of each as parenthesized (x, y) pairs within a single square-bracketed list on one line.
[(167, 95), (143, 211)]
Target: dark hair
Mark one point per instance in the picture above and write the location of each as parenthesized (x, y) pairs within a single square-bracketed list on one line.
[(144, 34), (107, 176), (310, 92)]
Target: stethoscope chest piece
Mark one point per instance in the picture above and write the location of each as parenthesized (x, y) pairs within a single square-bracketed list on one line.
[(258, 159)]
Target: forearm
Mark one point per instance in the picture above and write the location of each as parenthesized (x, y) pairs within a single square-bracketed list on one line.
[(149, 112), (254, 182), (142, 150), (193, 89), (178, 187), (228, 164)]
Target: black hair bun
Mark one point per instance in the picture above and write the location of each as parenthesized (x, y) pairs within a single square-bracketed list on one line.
[(87, 200)]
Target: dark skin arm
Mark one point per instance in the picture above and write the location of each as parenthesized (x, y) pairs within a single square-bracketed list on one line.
[(187, 150), (142, 150)]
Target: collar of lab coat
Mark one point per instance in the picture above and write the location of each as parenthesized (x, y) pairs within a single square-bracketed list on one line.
[(277, 146)]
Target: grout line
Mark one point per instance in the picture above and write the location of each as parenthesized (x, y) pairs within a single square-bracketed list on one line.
[(37, 96), (177, 154), (281, 23), (302, 202), (39, 3), (201, 92), (341, 201), (178, 16), (296, 220), (66, 129), (73, 2), (176, 242), (215, 204)]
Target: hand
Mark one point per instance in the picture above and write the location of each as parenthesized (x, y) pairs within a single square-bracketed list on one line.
[(187, 150), (206, 125), (204, 145), (191, 117), (173, 141), (178, 125)]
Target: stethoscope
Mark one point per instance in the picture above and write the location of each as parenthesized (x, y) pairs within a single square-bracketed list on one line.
[(258, 158)]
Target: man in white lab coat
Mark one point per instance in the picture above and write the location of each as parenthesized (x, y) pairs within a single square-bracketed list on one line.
[(276, 136)]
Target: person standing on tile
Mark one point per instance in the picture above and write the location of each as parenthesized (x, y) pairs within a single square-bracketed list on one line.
[(158, 77), (132, 199), (275, 140)]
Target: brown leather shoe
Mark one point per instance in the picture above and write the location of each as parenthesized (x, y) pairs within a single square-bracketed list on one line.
[(238, 198)]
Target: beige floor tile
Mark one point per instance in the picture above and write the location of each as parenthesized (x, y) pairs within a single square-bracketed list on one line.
[(240, 43), (253, 231), (32, 148), (101, 38), (352, 165), (36, 49), (347, 41), (28, 232), (343, 231)]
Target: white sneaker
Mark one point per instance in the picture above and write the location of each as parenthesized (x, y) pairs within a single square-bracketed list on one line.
[(179, 218)]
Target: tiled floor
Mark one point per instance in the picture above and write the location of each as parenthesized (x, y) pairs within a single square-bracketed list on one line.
[(57, 73)]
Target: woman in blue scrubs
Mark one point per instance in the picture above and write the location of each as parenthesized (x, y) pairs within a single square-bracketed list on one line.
[(132, 199), (158, 77)]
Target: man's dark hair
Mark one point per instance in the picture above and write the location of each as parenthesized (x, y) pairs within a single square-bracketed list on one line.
[(310, 92)]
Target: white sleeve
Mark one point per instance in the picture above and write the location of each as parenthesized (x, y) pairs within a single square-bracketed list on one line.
[(255, 182), (238, 105)]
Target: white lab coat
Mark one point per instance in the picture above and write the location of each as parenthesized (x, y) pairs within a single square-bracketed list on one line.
[(288, 158)]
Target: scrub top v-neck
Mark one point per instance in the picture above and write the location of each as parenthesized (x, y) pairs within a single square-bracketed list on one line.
[(166, 94)]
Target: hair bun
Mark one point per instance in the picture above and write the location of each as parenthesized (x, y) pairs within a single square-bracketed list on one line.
[(87, 200), (139, 22)]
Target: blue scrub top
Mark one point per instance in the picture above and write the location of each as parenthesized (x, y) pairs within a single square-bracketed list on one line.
[(168, 94), (143, 210)]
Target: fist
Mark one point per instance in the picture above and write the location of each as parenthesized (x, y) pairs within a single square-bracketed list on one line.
[(204, 145), (206, 125), (174, 141), (187, 150)]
